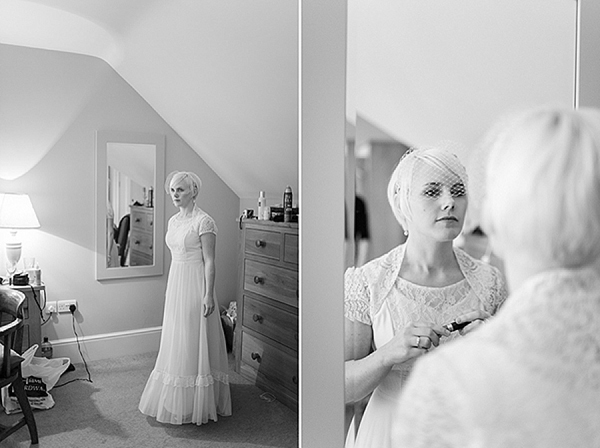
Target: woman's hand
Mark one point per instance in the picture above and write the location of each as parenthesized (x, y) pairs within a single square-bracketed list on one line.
[(208, 305), (477, 318), (416, 340), (365, 369)]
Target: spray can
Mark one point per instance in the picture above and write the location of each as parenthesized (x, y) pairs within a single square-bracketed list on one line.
[(287, 197), (287, 204), (262, 205), (150, 197)]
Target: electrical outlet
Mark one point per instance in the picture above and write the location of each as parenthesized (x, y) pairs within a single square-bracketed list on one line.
[(51, 308), (63, 305)]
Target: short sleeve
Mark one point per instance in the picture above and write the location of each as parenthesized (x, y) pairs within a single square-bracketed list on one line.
[(356, 296), (207, 225)]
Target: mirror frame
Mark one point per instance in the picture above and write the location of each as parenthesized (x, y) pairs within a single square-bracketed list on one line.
[(104, 137)]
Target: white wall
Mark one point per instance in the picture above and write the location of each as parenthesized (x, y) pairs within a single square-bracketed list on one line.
[(589, 91), (322, 222), (430, 71), (59, 177), (191, 61)]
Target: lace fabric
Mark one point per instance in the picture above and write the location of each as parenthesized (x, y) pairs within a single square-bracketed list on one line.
[(416, 303), (377, 296), (531, 377), (206, 225), (189, 381), (559, 314), (199, 219), (368, 287)]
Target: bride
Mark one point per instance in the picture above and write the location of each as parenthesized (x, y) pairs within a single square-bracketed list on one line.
[(396, 305)]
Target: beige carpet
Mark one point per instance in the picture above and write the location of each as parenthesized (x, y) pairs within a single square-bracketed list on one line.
[(104, 414)]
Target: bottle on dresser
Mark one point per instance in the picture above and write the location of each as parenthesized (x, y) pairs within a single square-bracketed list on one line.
[(46, 348), (262, 205), (287, 204)]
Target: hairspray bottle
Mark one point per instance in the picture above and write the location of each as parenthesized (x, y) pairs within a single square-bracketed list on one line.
[(287, 204)]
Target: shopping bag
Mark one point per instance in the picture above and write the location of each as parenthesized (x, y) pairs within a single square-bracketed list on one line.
[(40, 375)]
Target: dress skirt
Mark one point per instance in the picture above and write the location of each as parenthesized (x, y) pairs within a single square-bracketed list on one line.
[(190, 382)]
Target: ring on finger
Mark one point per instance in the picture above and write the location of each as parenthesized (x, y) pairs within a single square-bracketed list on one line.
[(416, 345)]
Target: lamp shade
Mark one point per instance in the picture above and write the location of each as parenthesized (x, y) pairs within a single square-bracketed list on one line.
[(16, 212)]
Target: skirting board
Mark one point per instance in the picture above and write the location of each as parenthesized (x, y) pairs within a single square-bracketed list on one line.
[(109, 345)]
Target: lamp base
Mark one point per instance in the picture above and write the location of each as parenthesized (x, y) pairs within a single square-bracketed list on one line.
[(13, 253)]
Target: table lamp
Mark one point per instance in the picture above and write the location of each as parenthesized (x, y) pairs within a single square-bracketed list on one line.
[(16, 212)]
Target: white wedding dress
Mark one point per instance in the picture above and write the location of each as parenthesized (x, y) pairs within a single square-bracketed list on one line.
[(377, 296), (190, 382)]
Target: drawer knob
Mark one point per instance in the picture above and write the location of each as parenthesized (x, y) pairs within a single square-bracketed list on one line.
[(258, 280), (260, 243), (138, 220), (295, 379), (257, 318), (136, 242), (256, 357)]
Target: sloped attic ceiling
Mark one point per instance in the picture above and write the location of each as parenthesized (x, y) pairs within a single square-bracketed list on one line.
[(427, 71), (224, 75)]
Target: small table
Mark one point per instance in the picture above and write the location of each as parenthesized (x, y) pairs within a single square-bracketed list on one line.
[(32, 315)]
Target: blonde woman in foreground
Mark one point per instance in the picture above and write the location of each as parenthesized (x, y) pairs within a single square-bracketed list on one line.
[(531, 377)]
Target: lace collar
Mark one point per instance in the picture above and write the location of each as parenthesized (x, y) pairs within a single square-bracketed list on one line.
[(381, 274)]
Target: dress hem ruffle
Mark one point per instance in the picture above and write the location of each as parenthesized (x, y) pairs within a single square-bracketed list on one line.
[(189, 381)]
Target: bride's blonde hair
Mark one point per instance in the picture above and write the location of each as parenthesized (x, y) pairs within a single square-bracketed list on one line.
[(192, 180), (439, 159)]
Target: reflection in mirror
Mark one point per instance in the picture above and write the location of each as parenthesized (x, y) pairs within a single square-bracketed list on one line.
[(130, 204), (452, 72), (349, 205), (376, 155), (130, 168), (425, 72)]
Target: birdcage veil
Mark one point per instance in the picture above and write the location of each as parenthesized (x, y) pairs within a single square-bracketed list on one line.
[(428, 170), (177, 176)]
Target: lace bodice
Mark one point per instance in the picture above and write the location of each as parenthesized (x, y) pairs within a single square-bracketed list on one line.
[(415, 303), (183, 235), (369, 287), (375, 295)]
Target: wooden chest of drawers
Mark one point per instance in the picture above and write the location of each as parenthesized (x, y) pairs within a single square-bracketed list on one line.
[(141, 236), (266, 339)]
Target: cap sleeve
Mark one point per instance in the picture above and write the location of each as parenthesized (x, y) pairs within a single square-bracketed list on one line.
[(207, 225), (357, 298)]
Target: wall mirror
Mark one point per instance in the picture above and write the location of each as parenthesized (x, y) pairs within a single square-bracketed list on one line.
[(423, 72), (129, 204)]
